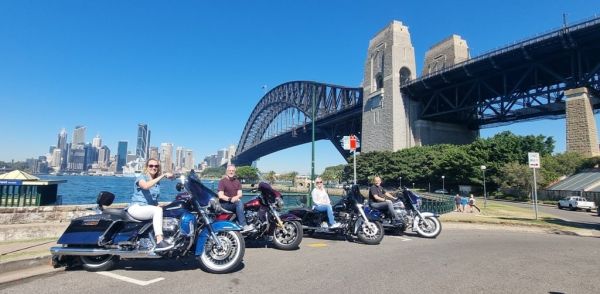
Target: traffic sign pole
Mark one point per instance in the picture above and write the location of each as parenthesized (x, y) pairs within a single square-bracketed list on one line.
[(534, 163)]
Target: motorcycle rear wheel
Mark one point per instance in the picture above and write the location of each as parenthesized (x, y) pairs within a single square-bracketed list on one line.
[(370, 234), (430, 227), (98, 263), (290, 238), (226, 259)]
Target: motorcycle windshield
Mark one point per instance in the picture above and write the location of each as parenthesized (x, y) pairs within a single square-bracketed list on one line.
[(202, 193)]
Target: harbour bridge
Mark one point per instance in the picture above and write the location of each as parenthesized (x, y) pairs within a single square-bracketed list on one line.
[(531, 79)]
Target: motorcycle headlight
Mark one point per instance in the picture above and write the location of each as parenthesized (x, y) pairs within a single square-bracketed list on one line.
[(279, 203)]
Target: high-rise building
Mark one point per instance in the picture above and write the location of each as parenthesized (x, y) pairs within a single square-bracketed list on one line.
[(166, 157), (148, 143), (97, 142), (121, 156), (179, 158), (56, 161), (103, 157), (154, 153), (230, 153), (141, 149), (188, 163), (76, 161), (62, 145), (79, 135), (91, 156)]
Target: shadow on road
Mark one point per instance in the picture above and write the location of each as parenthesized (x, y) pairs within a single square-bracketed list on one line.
[(557, 221)]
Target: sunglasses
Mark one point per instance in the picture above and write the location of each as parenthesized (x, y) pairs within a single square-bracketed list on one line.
[(153, 165), (319, 182)]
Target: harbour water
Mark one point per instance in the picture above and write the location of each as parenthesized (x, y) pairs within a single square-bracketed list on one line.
[(85, 189)]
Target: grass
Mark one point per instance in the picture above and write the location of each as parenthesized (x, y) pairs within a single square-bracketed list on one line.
[(502, 214)]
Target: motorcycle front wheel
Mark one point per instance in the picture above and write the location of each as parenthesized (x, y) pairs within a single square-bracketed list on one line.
[(98, 263), (288, 237), (430, 227), (371, 233), (225, 259)]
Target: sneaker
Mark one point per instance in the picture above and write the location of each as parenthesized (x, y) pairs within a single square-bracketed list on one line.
[(335, 225), (247, 228), (162, 246)]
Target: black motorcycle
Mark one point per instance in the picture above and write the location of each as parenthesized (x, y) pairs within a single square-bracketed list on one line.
[(349, 212), (97, 242), (407, 206)]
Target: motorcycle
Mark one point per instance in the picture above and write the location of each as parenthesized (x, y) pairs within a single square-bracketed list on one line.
[(263, 212), (349, 212), (407, 205), (97, 242)]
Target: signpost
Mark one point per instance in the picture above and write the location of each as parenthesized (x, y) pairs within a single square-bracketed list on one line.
[(351, 143), (534, 162)]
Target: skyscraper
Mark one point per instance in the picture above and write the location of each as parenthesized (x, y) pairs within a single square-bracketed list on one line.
[(141, 150), (166, 157), (188, 159), (97, 142), (121, 156), (79, 135), (62, 145), (154, 153), (179, 158), (103, 157)]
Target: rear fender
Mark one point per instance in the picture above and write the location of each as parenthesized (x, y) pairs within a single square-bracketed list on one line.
[(289, 217), (216, 227)]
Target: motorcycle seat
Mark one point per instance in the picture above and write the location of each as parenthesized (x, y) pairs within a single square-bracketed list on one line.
[(120, 214)]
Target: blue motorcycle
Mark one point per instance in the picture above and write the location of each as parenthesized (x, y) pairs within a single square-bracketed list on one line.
[(97, 242)]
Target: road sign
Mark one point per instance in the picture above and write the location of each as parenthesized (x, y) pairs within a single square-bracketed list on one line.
[(350, 142), (534, 159)]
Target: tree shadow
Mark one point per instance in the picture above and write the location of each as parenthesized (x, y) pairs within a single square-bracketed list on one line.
[(558, 221)]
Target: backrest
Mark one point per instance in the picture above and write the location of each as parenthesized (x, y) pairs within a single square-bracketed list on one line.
[(105, 198)]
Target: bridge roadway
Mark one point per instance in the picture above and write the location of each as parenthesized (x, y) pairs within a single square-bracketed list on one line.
[(462, 259)]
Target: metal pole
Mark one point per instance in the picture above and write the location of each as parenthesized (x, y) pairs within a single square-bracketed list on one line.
[(354, 152), (535, 194), (312, 167), (484, 192)]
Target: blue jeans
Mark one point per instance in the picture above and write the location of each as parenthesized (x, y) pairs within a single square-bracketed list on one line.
[(238, 207), (326, 207)]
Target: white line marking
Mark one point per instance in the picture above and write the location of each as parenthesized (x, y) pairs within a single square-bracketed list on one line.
[(401, 238), (130, 280)]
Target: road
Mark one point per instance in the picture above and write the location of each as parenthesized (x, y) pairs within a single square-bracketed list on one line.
[(583, 219), (459, 261)]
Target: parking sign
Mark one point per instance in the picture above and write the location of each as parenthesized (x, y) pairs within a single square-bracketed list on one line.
[(534, 159)]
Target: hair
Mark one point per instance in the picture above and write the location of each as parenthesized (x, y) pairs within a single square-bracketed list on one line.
[(158, 171), (376, 177), (230, 165)]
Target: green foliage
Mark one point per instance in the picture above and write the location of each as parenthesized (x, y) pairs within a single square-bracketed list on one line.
[(247, 173), (592, 162), (271, 177), (291, 176), (517, 179), (333, 173), (213, 172), (556, 166)]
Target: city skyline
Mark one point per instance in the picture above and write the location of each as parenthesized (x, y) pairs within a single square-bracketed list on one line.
[(194, 71)]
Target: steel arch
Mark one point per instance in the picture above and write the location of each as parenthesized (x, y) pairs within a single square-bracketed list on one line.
[(330, 100)]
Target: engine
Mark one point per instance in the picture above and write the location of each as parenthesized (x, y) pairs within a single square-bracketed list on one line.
[(252, 217), (170, 227)]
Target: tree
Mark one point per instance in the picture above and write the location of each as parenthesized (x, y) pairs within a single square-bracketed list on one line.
[(291, 176), (517, 179), (247, 173), (213, 172), (333, 173), (271, 177)]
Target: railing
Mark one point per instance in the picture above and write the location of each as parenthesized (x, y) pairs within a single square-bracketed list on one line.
[(11, 196)]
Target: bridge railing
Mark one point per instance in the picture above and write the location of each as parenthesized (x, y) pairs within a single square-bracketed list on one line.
[(515, 45)]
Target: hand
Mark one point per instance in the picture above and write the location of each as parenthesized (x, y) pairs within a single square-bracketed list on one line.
[(169, 176)]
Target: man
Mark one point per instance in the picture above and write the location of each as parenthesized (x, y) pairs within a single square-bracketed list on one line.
[(457, 202), (230, 195), (378, 198)]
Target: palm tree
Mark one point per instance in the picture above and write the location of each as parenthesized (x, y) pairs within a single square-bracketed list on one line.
[(271, 177)]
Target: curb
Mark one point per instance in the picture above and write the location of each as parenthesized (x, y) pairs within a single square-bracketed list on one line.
[(17, 265)]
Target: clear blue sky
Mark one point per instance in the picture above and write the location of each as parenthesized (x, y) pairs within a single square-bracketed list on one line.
[(193, 70)]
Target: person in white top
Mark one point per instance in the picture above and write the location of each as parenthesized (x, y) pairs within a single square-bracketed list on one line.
[(322, 203)]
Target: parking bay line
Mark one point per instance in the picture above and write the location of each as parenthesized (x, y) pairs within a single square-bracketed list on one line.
[(130, 280), (401, 238)]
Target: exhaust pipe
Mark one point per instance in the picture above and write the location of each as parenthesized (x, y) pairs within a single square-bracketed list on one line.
[(97, 251)]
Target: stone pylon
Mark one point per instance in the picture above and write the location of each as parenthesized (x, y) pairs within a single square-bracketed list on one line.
[(582, 135)]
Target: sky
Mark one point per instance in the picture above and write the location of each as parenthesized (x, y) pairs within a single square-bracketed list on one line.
[(194, 70)]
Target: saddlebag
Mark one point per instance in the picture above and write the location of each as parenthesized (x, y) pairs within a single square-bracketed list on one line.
[(87, 230)]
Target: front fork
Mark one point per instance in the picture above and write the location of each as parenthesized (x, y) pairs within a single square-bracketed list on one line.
[(277, 218), (211, 231)]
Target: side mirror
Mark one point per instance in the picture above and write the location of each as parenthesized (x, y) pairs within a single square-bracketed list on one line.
[(179, 187)]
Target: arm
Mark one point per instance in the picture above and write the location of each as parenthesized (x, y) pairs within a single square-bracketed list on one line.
[(142, 183), (221, 193), (315, 198), (387, 194), (237, 196)]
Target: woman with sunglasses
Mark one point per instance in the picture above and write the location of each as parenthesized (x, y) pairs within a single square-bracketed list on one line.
[(322, 203), (144, 202)]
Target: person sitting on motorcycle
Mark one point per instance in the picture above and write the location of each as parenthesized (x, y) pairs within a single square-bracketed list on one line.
[(144, 202), (230, 195), (321, 202), (377, 199)]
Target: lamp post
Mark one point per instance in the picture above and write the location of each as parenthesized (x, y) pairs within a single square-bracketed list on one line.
[(484, 191), (400, 178), (443, 186), (312, 166)]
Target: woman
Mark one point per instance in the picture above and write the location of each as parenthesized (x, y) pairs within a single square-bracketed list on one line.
[(144, 202), (321, 202)]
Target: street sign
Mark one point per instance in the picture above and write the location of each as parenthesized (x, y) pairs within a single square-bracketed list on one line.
[(350, 142), (534, 159)]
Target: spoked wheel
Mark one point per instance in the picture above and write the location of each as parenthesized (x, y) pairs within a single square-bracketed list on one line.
[(98, 263), (225, 259), (430, 227), (371, 233), (288, 237)]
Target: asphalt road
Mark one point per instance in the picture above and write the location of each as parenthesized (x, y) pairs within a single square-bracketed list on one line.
[(458, 261), (578, 218)]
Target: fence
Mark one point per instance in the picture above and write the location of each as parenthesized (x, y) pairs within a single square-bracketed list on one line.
[(19, 195)]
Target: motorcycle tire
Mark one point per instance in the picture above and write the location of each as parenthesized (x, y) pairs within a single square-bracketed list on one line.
[(98, 263), (430, 227), (290, 238), (370, 234), (226, 259)]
